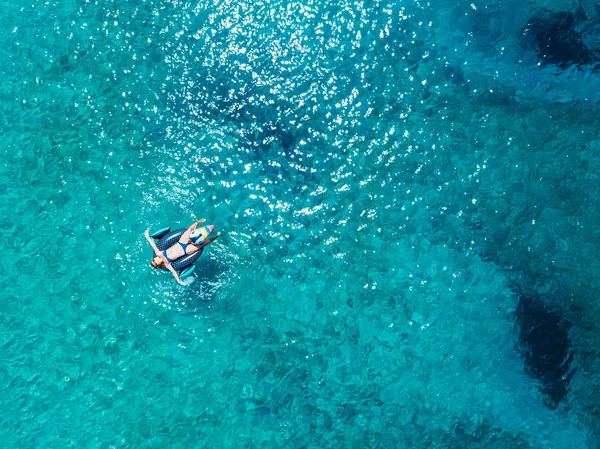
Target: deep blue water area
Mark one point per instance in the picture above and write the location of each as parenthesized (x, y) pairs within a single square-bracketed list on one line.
[(408, 198)]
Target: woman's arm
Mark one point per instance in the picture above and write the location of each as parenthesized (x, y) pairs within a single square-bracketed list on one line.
[(185, 237), (159, 254), (209, 241), (174, 273), (156, 250)]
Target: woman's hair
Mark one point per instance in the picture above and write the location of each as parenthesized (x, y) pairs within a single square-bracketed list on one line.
[(155, 263)]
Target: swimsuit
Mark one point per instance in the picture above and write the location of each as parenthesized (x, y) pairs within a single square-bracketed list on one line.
[(167, 257), (183, 246)]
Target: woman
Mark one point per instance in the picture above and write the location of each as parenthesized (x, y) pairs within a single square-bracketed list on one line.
[(191, 240)]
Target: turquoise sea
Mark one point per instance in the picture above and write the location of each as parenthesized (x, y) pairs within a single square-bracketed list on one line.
[(408, 196)]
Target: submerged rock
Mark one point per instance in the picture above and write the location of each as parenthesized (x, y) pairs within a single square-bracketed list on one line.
[(546, 347), (556, 39)]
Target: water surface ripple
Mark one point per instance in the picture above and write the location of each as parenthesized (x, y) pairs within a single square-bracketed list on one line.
[(391, 179)]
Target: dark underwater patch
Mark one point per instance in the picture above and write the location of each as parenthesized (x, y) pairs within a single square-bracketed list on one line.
[(556, 39), (546, 348)]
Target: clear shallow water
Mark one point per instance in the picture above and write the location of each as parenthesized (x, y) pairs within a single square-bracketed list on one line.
[(387, 179)]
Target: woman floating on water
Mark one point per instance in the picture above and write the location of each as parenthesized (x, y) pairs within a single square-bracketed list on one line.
[(191, 241)]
